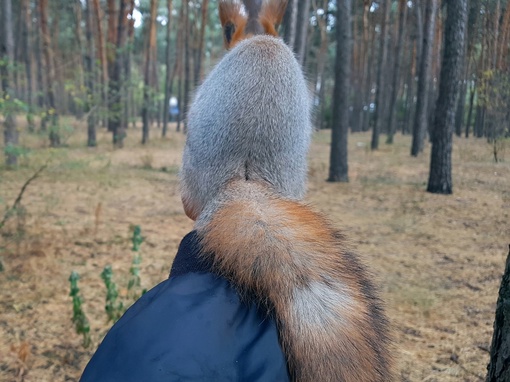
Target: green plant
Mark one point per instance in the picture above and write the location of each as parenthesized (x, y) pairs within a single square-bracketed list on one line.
[(134, 280), (81, 323), (113, 308), (137, 238)]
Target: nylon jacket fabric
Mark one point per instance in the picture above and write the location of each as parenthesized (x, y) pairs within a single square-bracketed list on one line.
[(191, 327)]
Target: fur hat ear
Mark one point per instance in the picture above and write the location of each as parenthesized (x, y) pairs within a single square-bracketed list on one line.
[(241, 19), (233, 18), (271, 15)]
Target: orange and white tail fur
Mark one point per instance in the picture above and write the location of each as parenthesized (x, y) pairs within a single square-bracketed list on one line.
[(330, 320)]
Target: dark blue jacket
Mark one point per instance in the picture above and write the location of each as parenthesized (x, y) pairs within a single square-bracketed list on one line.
[(191, 327)]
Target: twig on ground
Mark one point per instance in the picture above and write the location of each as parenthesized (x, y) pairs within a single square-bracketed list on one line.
[(17, 202)]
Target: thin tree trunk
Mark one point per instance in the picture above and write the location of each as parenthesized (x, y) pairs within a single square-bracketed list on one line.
[(41, 83), (290, 22), (383, 53), (440, 179), (470, 112), (402, 6), (7, 53), (80, 80), (201, 37), (101, 47), (116, 82), (321, 62), (128, 84), (187, 65), (504, 40), (51, 112), (149, 63), (168, 60), (179, 67), (421, 113), (29, 58), (339, 170), (410, 88), (302, 31), (90, 75)]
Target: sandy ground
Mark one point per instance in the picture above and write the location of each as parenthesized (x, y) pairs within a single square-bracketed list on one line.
[(438, 259)]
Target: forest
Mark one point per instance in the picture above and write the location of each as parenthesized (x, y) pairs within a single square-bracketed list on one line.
[(411, 99)]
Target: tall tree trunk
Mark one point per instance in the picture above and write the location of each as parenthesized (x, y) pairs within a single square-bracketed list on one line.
[(41, 83), (101, 48), (179, 67), (504, 42), (128, 83), (338, 168), (321, 62), (499, 366), (421, 113), (168, 77), (201, 37), (116, 81), (440, 179), (402, 11), (29, 59), (187, 64), (409, 106), (302, 31), (381, 65), (290, 22), (149, 65), (80, 79), (51, 112), (7, 54), (90, 75), (360, 98)]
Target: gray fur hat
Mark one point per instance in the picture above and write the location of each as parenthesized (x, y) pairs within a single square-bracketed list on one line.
[(250, 119)]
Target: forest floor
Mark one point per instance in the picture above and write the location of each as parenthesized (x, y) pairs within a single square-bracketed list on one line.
[(439, 259)]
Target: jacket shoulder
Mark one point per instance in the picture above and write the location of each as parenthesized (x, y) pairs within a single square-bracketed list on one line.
[(191, 327)]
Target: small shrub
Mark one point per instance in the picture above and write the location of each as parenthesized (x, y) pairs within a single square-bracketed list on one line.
[(113, 308), (81, 323)]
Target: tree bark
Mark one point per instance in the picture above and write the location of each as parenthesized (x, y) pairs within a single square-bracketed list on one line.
[(187, 64), (290, 21), (149, 75), (421, 113), (116, 83), (302, 31), (29, 59), (90, 75), (80, 78), (440, 179), (402, 11), (339, 169), (168, 60), (51, 112), (101, 48), (200, 53), (7, 53), (179, 68), (381, 64), (499, 366)]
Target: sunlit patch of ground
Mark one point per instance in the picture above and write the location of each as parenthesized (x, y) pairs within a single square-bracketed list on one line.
[(439, 259)]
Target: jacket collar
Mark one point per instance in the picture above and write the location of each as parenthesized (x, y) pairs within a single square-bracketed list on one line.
[(188, 258)]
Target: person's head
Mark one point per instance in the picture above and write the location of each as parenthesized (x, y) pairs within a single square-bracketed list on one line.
[(250, 121)]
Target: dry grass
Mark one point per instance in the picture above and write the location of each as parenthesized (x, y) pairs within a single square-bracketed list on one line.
[(438, 258)]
